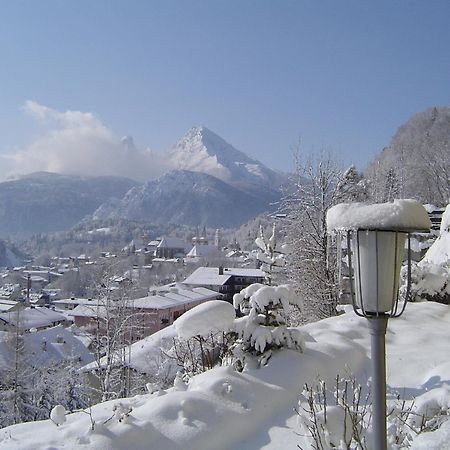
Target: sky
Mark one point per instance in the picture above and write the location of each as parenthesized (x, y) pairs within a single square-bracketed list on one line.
[(76, 76)]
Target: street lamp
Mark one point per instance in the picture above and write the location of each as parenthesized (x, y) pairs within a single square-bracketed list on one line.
[(376, 236)]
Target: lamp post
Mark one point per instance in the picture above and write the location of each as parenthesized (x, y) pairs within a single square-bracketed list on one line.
[(374, 282), (376, 236)]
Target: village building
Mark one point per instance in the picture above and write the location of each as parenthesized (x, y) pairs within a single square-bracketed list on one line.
[(145, 315), (226, 281)]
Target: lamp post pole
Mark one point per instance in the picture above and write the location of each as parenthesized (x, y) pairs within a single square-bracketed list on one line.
[(376, 236), (377, 327)]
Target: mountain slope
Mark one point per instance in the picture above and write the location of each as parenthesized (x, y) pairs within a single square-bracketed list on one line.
[(43, 201), (417, 162), (186, 197)]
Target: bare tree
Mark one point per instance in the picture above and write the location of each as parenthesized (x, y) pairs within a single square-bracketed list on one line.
[(319, 184), (117, 325)]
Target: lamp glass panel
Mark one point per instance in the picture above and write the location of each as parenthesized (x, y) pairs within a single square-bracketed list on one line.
[(377, 267)]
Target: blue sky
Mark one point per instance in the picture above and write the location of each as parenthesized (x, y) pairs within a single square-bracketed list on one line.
[(262, 74)]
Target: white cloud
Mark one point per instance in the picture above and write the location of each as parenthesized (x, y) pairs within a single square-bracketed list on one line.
[(79, 143)]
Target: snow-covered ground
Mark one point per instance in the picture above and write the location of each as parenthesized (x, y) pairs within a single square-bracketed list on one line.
[(224, 409)]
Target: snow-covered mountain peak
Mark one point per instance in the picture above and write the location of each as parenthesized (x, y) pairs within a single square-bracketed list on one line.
[(202, 150)]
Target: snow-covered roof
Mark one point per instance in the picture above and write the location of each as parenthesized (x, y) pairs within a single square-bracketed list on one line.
[(164, 300), (210, 276), (52, 344), (32, 317), (91, 311), (75, 301), (174, 299), (7, 305), (399, 215)]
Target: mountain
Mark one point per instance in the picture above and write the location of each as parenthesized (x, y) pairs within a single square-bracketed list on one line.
[(43, 201), (9, 256), (186, 197), (416, 163), (201, 150)]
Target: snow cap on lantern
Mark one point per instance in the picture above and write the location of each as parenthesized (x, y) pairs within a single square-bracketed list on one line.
[(376, 234)]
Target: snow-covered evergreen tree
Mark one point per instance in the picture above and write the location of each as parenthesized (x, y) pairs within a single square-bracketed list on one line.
[(271, 256), (264, 309)]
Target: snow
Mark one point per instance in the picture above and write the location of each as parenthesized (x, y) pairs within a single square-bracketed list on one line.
[(225, 409), (201, 150), (439, 252), (445, 222), (145, 354), (399, 215), (210, 317), (58, 415)]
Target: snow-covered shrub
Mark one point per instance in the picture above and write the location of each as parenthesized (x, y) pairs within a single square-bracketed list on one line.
[(430, 282), (430, 278)]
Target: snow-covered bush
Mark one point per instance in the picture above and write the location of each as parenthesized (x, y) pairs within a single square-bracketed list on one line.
[(430, 278), (430, 282)]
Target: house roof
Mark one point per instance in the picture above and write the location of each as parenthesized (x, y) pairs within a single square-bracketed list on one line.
[(209, 276), (164, 300), (172, 242), (52, 344), (75, 301), (6, 305), (32, 317), (174, 298), (91, 311)]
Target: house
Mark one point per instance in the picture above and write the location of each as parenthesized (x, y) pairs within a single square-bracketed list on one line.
[(171, 247), (226, 281), (73, 302), (146, 315)]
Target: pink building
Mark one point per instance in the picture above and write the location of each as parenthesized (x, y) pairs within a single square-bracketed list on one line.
[(145, 315)]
